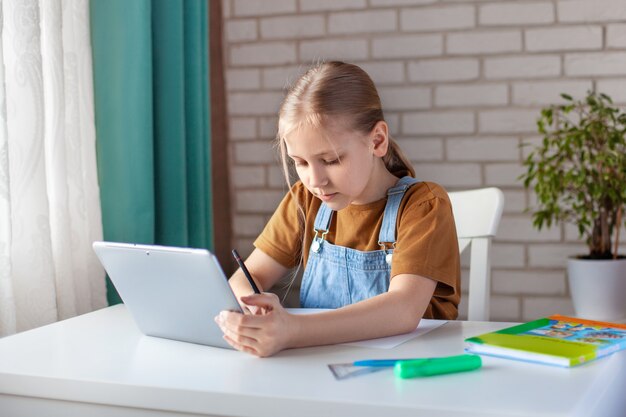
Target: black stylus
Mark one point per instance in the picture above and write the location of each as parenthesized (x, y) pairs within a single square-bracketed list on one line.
[(245, 271)]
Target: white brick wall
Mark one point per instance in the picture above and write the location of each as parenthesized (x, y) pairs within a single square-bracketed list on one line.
[(506, 308), (462, 83), (348, 49), (362, 22), (508, 255), (507, 121), (534, 282), (548, 92), (385, 72), (484, 42), (616, 36), (437, 18), (443, 70), (422, 149), (254, 153), (553, 255), (261, 201), (483, 149), (243, 79), (471, 95), (268, 127), (516, 228), (407, 46), (279, 78), (290, 27), (600, 63), (559, 39), (242, 128), (591, 11), (269, 53), (537, 307), (462, 175), (241, 30), (322, 5), (503, 175), (259, 8), (515, 201), (246, 225), (405, 98), (435, 122), (247, 177), (255, 103), (615, 87), (522, 66), (516, 13)]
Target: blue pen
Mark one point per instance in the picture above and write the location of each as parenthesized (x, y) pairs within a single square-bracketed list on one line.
[(380, 362)]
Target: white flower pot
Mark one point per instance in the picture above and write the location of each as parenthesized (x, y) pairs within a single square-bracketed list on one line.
[(598, 288)]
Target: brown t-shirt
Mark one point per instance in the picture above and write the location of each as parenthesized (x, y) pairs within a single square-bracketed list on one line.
[(426, 241)]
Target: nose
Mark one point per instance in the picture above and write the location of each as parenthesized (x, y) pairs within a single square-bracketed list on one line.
[(317, 177)]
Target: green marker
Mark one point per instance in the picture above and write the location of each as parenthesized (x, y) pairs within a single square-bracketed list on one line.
[(436, 366)]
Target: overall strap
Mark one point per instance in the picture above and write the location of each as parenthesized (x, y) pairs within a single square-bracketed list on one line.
[(394, 198), (323, 218)]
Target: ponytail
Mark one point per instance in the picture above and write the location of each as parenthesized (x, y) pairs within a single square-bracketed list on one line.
[(396, 161)]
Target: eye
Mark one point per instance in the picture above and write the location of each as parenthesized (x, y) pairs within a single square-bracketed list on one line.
[(298, 163), (331, 162)]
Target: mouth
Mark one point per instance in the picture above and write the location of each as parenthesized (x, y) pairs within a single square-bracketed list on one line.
[(326, 197)]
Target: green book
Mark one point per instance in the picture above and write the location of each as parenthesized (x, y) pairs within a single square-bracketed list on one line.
[(554, 340)]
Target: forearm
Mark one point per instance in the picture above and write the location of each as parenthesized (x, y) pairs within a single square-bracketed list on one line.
[(240, 285), (385, 315), (397, 311), (265, 272)]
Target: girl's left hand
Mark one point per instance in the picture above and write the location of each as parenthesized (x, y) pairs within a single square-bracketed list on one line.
[(262, 334)]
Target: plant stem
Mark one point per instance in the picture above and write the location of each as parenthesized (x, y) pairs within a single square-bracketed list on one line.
[(618, 226)]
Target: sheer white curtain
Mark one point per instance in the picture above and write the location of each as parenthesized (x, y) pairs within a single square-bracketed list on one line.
[(49, 197)]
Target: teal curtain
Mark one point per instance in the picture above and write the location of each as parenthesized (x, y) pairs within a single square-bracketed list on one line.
[(151, 70)]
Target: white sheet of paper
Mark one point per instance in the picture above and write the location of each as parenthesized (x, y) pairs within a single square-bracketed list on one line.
[(390, 342)]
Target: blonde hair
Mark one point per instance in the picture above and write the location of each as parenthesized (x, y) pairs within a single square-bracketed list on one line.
[(331, 91), (336, 90)]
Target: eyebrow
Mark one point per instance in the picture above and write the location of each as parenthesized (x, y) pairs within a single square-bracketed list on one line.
[(333, 153)]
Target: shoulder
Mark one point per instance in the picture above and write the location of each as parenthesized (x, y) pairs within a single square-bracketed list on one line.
[(426, 193)]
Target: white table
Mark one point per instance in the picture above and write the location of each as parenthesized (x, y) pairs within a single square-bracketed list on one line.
[(99, 364)]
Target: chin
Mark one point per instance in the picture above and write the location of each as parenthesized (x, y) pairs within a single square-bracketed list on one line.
[(338, 205)]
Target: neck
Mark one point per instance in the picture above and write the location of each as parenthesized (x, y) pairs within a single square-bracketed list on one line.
[(381, 180)]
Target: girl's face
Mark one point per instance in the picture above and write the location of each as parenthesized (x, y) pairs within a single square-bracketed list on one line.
[(336, 164)]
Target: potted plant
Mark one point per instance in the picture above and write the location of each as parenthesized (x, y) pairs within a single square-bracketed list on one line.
[(578, 173)]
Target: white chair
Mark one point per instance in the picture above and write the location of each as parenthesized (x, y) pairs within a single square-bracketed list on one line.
[(477, 215)]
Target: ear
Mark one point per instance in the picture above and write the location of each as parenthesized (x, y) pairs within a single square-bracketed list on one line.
[(380, 139)]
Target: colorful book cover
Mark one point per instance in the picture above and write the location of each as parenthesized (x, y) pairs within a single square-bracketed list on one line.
[(554, 340)]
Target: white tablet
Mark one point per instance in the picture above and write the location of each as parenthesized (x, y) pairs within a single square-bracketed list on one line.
[(173, 293)]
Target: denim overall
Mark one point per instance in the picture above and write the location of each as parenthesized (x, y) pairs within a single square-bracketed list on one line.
[(336, 276)]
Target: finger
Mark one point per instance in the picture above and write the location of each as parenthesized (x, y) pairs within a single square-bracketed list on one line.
[(248, 309), (255, 308), (265, 300), (240, 347), (240, 338), (238, 321)]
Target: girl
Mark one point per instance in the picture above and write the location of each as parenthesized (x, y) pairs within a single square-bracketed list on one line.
[(379, 247)]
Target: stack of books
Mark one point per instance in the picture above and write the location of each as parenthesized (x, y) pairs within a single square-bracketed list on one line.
[(554, 340)]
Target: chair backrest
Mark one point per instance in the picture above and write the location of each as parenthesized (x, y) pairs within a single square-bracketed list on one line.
[(477, 215)]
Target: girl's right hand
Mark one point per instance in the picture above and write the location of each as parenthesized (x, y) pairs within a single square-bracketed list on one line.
[(261, 334), (250, 309)]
